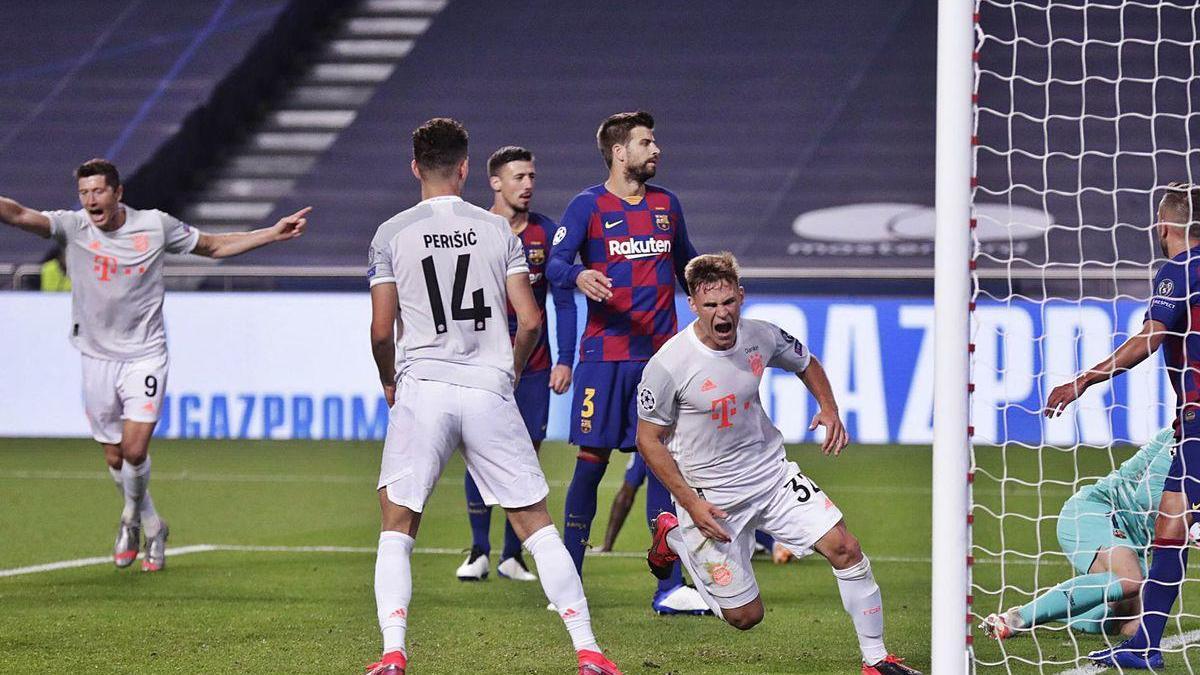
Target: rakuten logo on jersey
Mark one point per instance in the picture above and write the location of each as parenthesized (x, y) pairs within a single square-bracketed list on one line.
[(632, 249)]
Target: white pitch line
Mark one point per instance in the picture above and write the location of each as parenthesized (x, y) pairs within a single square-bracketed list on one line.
[(364, 479), (1171, 642), (240, 548)]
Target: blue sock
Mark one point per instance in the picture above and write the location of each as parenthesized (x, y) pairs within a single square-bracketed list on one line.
[(512, 545), (1158, 594), (765, 540), (1073, 599), (581, 507), (658, 499), (480, 515)]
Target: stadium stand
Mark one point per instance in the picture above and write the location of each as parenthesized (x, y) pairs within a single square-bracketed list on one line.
[(737, 159), (115, 79)]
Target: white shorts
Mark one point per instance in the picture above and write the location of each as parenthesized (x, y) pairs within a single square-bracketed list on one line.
[(794, 511), (114, 391), (430, 420)]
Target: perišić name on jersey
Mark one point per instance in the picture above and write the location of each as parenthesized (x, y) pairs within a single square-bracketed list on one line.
[(456, 239), (638, 248), (258, 415)]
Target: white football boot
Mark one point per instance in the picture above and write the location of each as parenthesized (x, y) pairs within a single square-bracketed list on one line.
[(125, 548), (155, 557), (682, 599), (514, 568), (474, 568), (1003, 626)]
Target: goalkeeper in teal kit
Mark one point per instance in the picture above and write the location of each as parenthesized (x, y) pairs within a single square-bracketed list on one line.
[(1105, 530)]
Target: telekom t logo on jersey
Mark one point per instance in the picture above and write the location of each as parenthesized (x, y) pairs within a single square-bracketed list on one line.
[(723, 408), (105, 267)]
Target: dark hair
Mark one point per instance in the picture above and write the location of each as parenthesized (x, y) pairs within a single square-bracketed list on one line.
[(615, 130), (439, 145), (100, 167), (509, 153), (1184, 200), (711, 268)]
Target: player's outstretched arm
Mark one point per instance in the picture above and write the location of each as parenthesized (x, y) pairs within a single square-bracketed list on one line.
[(1132, 352), (529, 319), (237, 243), (817, 382), (385, 303), (25, 218), (659, 460)]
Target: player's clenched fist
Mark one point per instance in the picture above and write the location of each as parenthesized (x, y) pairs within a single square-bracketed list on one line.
[(594, 285)]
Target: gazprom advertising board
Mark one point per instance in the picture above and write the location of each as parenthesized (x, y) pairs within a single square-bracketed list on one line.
[(280, 365)]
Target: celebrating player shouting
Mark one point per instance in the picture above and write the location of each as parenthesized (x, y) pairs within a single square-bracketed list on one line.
[(633, 243), (114, 257), (704, 433), (512, 177), (443, 271)]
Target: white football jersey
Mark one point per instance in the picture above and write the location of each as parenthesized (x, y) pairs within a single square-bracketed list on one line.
[(116, 280), (722, 437), (450, 261)]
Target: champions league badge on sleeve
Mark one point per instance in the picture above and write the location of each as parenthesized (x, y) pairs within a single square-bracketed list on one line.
[(646, 399)]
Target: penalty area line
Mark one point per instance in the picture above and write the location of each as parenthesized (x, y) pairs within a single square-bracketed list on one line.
[(241, 548)]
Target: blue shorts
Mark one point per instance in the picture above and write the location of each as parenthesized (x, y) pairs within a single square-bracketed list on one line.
[(604, 409), (635, 470), (533, 400), (1084, 528), (1184, 474)]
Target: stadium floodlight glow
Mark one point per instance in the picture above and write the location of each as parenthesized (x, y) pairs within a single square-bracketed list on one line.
[(951, 297)]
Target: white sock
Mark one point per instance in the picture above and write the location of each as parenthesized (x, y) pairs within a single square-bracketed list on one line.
[(393, 587), (862, 601), (136, 478), (562, 585), (118, 480), (151, 523), (675, 541)]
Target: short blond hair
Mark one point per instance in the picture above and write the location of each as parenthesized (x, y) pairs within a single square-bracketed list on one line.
[(711, 268)]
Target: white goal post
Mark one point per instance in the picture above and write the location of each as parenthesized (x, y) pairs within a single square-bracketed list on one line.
[(951, 456)]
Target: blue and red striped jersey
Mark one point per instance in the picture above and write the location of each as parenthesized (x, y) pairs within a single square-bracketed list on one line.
[(1176, 305), (643, 247), (536, 240)]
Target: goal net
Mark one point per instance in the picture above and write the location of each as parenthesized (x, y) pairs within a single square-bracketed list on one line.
[(1083, 114)]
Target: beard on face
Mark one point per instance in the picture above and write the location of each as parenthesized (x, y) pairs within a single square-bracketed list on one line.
[(640, 173)]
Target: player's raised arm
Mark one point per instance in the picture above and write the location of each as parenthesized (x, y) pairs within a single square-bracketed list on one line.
[(236, 243), (565, 329), (25, 218), (1131, 352), (562, 270)]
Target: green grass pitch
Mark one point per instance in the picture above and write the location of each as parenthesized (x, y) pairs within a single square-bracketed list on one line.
[(292, 611)]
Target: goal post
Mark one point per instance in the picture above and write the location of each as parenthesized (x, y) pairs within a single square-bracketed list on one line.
[(952, 293)]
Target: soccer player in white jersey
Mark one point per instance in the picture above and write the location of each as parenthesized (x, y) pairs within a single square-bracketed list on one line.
[(442, 272), (703, 431), (114, 257)]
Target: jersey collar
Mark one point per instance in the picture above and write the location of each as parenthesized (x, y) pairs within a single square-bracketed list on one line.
[(442, 198)]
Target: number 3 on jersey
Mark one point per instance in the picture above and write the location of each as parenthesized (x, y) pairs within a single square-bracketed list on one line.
[(478, 312)]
